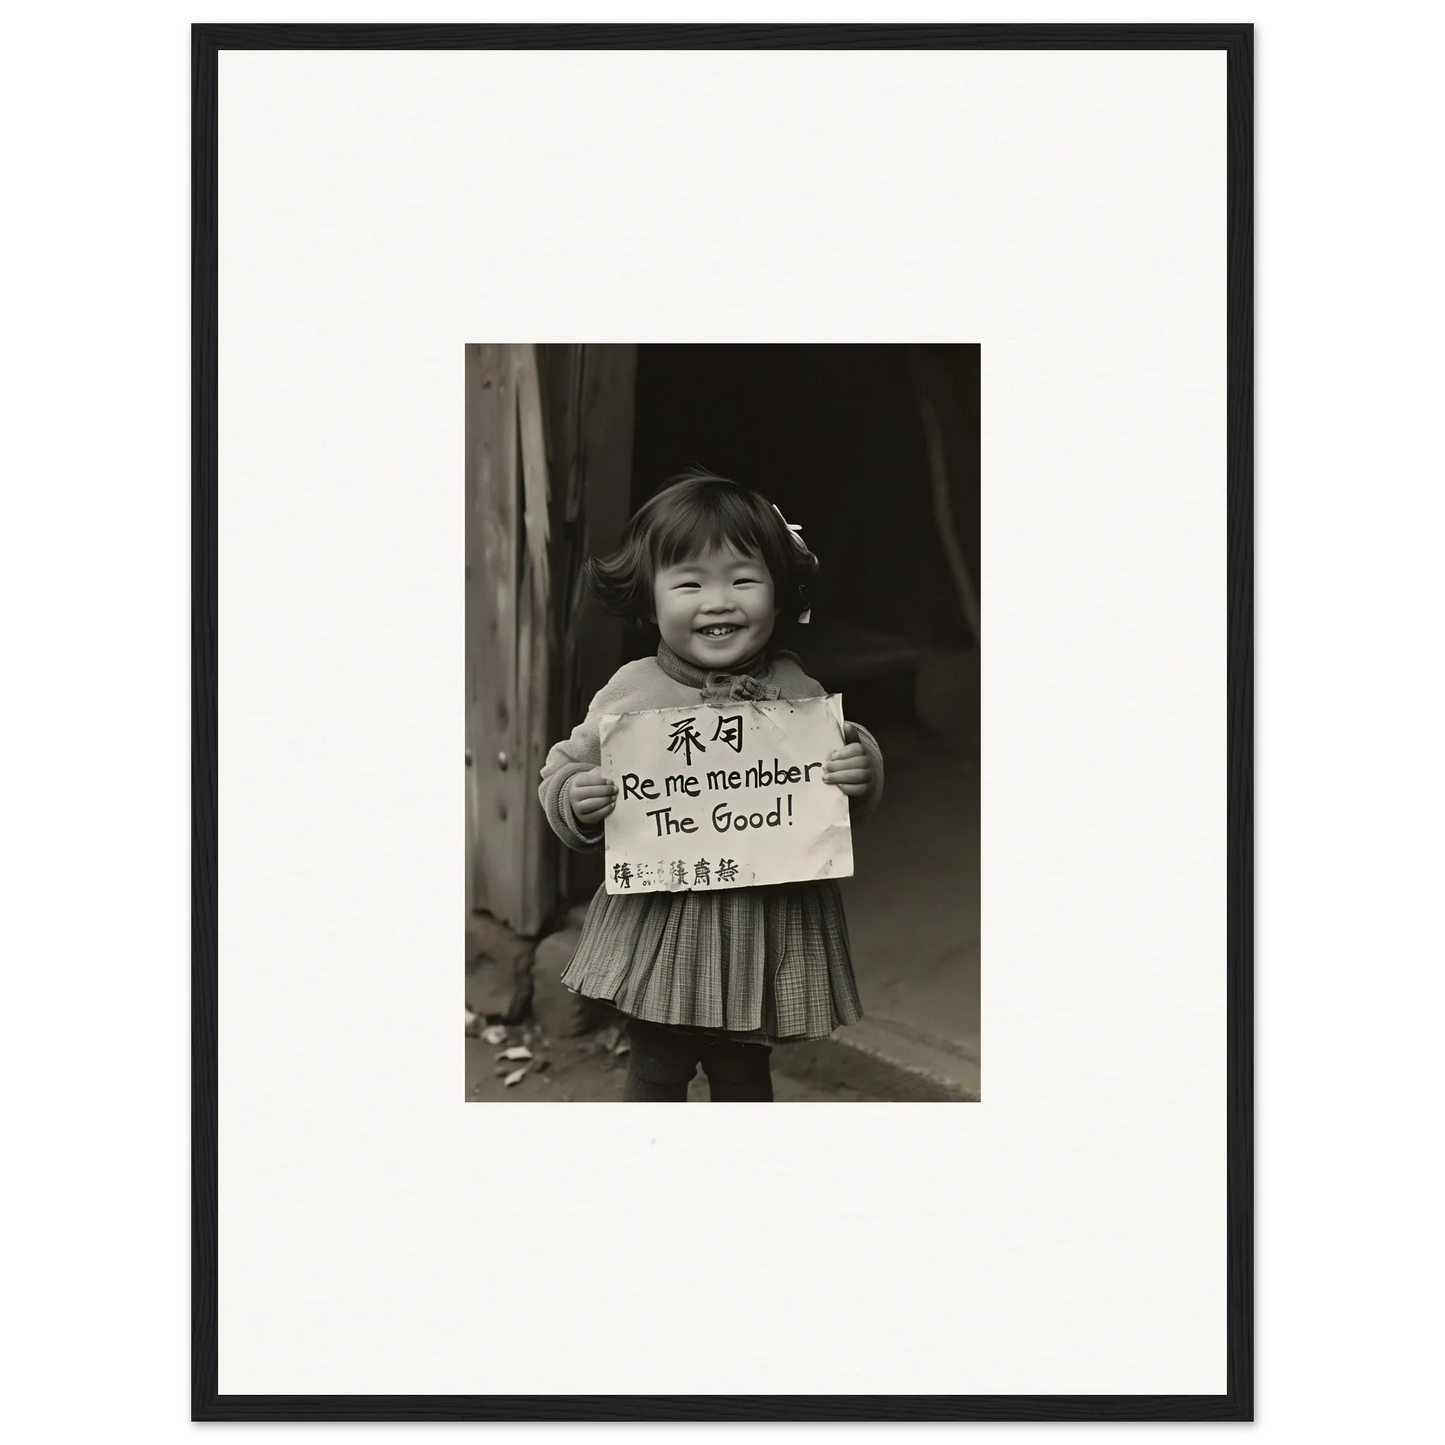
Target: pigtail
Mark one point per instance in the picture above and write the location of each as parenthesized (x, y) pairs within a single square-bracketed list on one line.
[(804, 567)]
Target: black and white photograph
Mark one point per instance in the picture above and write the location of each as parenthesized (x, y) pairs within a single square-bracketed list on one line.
[(611, 442), (723, 631)]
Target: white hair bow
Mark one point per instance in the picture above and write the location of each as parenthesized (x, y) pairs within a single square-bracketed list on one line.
[(796, 533)]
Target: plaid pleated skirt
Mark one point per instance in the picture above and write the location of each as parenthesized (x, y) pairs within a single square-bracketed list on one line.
[(771, 964)]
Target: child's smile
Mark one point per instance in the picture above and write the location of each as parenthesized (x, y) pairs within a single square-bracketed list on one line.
[(716, 610)]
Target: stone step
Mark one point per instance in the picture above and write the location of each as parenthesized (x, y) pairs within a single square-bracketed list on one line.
[(952, 1066), (498, 970), (875, 1059), (560, 1012)]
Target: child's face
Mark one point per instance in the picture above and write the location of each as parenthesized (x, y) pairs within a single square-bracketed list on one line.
[(716, 609)]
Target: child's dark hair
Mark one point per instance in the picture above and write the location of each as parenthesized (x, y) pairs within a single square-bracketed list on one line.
[(692, 513)]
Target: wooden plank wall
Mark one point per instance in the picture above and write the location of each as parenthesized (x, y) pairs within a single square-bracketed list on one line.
[(609, 394), (548, 483), (535, 718), (589, 396), (560, 372), (508, 643)]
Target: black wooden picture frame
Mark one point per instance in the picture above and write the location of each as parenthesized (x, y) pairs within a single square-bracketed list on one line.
[(1236, 1403)]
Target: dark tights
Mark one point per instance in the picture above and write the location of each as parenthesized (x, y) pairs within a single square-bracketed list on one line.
[(664, 1060)]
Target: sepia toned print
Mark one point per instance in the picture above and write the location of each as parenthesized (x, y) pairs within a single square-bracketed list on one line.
[(760, 565)]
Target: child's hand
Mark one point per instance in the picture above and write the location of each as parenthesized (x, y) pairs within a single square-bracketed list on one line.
[(593, 796), (849, 768)]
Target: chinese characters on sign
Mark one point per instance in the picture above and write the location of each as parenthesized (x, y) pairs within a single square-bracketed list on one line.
[(730, 731), (685, 737), (712, 799), (699, 876)]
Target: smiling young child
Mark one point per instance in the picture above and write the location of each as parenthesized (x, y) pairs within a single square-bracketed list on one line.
[(708, 977)]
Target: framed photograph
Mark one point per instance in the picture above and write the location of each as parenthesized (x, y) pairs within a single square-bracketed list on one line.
[(612, 444)]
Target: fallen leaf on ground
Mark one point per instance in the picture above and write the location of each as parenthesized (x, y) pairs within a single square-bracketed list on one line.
[(515, 1077), (517, 1051), (495, 1034)]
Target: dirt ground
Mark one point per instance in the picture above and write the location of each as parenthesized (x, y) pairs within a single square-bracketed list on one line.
[(591, 1070)]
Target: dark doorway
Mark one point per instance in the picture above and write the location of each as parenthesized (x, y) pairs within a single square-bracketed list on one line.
[(834, 435)]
